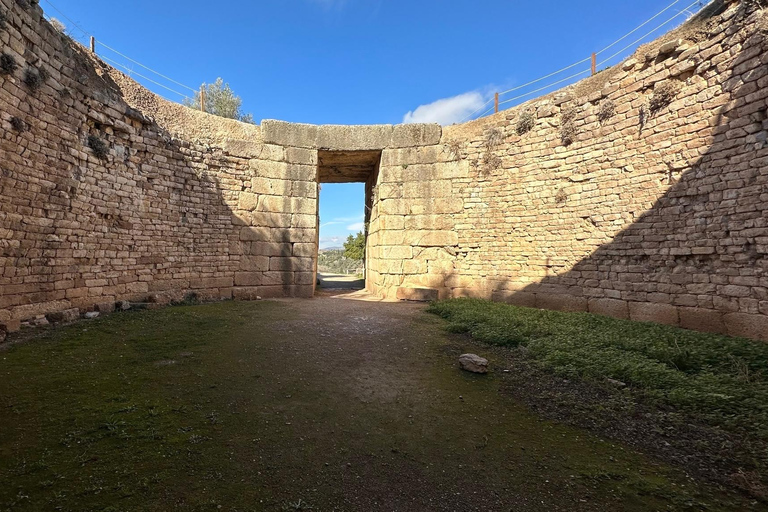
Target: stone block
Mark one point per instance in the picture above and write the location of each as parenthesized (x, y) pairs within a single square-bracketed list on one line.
[(650, 312), (705, 320), (409, 135), (269, 249), (561, 302), (515, 298), (289, 134), (354, 138), (416, 294), (747, 326), (609, 307), (306, 250), (105, 307), (247, 201), (66, 316)]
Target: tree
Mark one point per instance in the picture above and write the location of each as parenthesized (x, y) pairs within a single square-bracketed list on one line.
[(220, 101), (354, 247)]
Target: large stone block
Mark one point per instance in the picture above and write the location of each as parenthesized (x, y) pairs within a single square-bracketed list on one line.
[(561, 302), (609, 307), (408, 135), (705, 320), (417, 294), (354, 138), (289, 134), (650, 312), (747, 326), (515, 298)]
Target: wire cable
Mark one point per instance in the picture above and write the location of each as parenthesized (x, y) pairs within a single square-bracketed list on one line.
[(129, 70), (87, 34), (638, 27), (630, 45), (478, 110), (545, 87), (147, 68)]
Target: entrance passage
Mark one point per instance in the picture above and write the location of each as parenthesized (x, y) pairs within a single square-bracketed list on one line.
[(343, 220)]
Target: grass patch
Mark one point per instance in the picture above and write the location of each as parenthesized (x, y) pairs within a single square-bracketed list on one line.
[(718, 378)]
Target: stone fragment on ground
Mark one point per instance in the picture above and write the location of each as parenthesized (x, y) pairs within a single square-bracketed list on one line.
[(123, 305), (60, 317), (473, 363), (91, 315)]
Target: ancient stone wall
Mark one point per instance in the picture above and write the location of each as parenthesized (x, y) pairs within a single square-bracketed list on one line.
[(639, 193), (109, 192)]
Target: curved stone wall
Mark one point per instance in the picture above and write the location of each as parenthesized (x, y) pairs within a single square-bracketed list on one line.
[(638, 193)]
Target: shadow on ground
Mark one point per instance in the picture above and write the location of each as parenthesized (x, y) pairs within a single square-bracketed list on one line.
[(290, 404)]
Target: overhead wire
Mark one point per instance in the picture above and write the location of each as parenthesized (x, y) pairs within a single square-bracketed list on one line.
[(88, 34), (646, 22)]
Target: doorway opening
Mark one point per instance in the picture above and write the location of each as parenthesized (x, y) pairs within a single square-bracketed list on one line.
[(346, 179)]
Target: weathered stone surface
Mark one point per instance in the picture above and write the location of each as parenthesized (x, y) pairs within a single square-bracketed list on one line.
[(650, 312), (68, 315), (91, 315), (473, 363), (416, 294), (609, 307)]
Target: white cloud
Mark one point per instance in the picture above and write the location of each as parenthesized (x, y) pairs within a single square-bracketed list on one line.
[(447, 110), (357, 226)]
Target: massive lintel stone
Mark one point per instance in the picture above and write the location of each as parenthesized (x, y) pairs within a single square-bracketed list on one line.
[(350, 138)]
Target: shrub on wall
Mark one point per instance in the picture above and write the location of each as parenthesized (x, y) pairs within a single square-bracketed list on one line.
[(663, 94), (525, 122), (18, 125), (7, 64), (35, 78), (98, 146), (567, 128), (606, 110)]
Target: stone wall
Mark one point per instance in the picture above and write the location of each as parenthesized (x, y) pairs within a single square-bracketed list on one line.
[(110, 193), (639, 193)]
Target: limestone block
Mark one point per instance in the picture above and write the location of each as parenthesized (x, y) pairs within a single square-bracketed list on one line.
[(432, 238), (306, 250), (291, 264), (416, 294), (289, 134), (261, 248), (609, 307), (247, 201), (561, 302), (301, 156), (408, 135), (515, 298), (428, 189), (650, 312), (354, 138), (705, 320), (271, 186), (747, 326), (254, 263)]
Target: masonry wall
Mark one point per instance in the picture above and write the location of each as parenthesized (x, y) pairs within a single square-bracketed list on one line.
[(639, 193), (178, 202)]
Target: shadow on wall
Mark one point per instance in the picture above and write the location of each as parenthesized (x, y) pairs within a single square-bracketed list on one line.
[(99, 202), (699, 257)]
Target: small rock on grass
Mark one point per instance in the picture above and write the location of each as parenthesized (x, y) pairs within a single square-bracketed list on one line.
[(91, 315), (473, 363)]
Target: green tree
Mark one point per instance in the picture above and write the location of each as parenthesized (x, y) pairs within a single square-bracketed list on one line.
[(220, 100), (354, 247)]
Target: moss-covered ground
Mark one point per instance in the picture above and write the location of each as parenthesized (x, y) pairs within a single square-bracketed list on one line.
[(326, 404)]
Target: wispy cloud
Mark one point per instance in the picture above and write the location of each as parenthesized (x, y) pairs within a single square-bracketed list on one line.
[(357, 226), (447, 111)]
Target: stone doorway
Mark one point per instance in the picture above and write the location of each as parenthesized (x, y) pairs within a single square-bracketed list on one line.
[(347, 167)]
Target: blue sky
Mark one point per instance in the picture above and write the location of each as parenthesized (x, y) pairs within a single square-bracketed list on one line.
[(364, 61)]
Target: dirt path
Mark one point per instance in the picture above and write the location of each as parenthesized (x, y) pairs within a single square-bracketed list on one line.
[(323, 404)]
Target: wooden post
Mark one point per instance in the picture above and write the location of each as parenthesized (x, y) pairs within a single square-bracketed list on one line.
[(594, 63), (496, 103), (202, 98), (93, 44)]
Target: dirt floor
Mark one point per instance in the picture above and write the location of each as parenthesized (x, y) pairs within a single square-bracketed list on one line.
[(340, 282), (322, 404)]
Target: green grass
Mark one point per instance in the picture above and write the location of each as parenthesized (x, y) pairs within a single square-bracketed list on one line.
[(718, 378)]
